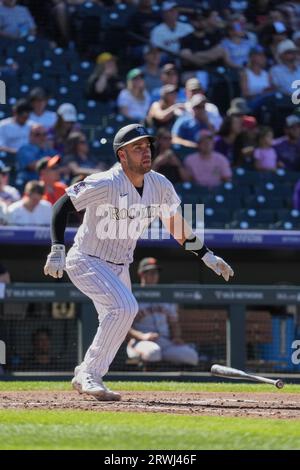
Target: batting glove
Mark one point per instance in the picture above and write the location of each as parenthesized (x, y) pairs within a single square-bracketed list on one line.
[(218, 265), (56, 261)]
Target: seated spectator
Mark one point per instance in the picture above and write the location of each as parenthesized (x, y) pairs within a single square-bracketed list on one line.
[(186, 128), (155, 333), (14, 131), (151, 68), (165, 111), (8, 194), (38, 101), (105, 83), (202, 46), (15, 21), (237, 45), (288, 70), (40, 358), (255, 80), (193, 87), (296, 196), (31, 209), (167, 34), (272, 35), (245, 143), (225, 142), (48, 169), (66, 124), (166, 161), (206, 167), (264, 154), (169, 75), (77, 159), (288, 147), (140, 25), (134, 101), (29, 154)]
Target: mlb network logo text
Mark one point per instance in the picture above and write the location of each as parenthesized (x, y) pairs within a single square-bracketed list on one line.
[(2, 352), (2, 92)]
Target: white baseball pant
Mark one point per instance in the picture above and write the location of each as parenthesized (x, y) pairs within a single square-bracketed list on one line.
[(109, 287)]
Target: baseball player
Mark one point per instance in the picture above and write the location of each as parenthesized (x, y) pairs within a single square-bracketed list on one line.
[(119, 205)]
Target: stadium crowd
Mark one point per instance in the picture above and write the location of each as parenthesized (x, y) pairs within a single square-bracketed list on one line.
[(216, 81)]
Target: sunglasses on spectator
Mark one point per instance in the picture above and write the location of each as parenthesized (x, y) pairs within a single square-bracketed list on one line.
[(82, 141), (37, 134)]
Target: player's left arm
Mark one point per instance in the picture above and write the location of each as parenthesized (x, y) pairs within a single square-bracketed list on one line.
[(178, 227)]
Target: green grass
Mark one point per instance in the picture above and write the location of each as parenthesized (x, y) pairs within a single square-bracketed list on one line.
[(118, 431), (154, 386)]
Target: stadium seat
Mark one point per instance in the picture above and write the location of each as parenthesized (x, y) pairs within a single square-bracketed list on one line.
[(258, 218)]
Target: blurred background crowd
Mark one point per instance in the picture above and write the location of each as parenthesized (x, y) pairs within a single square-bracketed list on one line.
[(216, 81)]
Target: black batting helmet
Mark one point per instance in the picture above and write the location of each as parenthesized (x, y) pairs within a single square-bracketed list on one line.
[(131, 133)]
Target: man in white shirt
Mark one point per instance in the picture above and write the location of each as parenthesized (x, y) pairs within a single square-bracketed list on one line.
[(14, 131), (31, 210), (39, 100), (167, 35)]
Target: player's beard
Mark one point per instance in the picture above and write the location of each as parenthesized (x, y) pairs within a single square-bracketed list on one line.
[(139, 168)]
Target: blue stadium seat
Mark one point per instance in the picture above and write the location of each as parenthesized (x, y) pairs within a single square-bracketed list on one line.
[(259, 218)]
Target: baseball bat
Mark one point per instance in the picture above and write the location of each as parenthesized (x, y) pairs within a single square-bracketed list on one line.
[(230, 373)]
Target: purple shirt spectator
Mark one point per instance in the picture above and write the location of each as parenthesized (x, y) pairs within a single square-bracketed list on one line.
[(289, 154), (266, 158)]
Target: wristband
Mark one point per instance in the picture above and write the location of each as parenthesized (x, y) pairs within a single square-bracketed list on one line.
[(201, 252)]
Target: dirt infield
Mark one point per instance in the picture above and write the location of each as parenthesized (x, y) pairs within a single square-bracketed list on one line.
[(266, 405)]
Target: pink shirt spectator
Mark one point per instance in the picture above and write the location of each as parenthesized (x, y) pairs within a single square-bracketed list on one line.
[(266, 158), (209, 171)]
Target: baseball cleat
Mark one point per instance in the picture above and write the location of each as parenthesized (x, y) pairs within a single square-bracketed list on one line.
[(85, 383)]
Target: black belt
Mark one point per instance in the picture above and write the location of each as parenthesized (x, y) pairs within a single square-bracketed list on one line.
[(110, 262)]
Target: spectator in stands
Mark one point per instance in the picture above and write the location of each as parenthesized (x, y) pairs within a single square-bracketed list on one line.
[(225, 142), (169, 76), (165, 111), (105, 83), (186, 128), (134, 101), (8, 194), (155, 333), (14, 131), (193, 87), (4, 275), (66, 124), (296, 196), (143, 20), (151, 68), (255, 81), (271, 35), (31, 209), (77, 159), (237, 45), (202, 46), (167, 34), (48, 169), (166, 161), (207, 167), (40, 357), (15, 21), (29, 154), (288, 70), (38, 100), (288, 147), (264, 155)]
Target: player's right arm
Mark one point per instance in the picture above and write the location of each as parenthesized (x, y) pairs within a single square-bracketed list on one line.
[(57, 257)]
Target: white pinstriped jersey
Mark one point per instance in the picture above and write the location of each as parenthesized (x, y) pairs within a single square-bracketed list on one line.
[(116, 215)]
